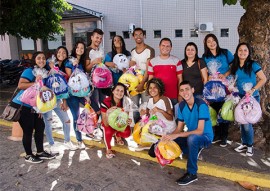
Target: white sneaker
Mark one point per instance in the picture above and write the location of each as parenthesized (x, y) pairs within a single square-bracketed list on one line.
[(249, 152), (52, 150), (241, 148), (80, 145), (70, 146)]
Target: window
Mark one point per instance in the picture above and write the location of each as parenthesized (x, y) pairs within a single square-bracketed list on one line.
[(112, 34), (224, 32), (54, 44), (144, 32), (178, 33), (81, 30), (27, 44), (157, 34), (125, 34), (193, 33)]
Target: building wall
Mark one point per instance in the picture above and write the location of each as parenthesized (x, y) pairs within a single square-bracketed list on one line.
[(4, 47), (167, 16)]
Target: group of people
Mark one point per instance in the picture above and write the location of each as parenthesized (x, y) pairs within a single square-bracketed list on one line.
[(167, 83)]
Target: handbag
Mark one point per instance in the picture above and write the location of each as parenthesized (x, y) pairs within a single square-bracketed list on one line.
[(12, 113)]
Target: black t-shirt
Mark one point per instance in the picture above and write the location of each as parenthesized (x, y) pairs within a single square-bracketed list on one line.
[(193, 75)]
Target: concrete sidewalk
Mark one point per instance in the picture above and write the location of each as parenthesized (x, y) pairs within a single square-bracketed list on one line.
[(215, 161)]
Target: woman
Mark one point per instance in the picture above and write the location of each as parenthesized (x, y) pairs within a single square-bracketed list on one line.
[(160, 105), (73, 102), (213, 53), (114, 100), (194, 69), (247, 71), (118, 47), (30, 121), (61, 108)]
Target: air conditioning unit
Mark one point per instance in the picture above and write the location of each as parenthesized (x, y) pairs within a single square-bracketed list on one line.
[(206, 27)]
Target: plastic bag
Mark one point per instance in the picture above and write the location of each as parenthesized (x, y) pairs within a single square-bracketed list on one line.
[(121, 61), (213, 67), (140, 75), (248, 111), (161, 160), (170, 150), (102, 77), (94, 54), (214, 91), (78, 83), (154, 125), (40, 72), (57, 82), (130, 80), (137, 130), (117, 118), (227, 111), (213, 116), (29, 96), (46, 100), (87, 120)]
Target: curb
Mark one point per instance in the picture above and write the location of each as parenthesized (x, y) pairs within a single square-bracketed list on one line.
[(231, 174)]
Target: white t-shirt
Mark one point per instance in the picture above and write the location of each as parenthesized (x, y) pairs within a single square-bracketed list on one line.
[(142, 57), (165, 104)]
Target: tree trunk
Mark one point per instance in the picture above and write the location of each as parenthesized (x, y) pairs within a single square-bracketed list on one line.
[(254, 28)]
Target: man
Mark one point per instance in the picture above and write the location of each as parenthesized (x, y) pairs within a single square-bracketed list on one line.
[(168, 68), (140, 57), (194, 113), (94, 56)]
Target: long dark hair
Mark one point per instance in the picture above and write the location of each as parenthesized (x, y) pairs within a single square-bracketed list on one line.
[(207, 52), (124, 50), (196, 48), (62, 67), (159, 83), (248, 62), (33, 60), (83, 56), (113, 88)]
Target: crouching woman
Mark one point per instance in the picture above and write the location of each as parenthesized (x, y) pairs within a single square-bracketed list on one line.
[(115, 100)]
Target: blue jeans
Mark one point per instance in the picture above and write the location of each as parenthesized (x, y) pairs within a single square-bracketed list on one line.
[(74, 106), (247, 132), (63, 116), (191, 145)]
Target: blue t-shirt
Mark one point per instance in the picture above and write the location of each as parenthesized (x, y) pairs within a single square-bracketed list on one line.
[(191, 117), (69, 65), (243, 77), (223, 59), (28, 75)]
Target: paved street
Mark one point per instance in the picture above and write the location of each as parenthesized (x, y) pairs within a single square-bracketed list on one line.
[(90, 170)]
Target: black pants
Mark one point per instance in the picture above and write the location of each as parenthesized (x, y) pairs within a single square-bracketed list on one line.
[(29, 122), (220, 130)]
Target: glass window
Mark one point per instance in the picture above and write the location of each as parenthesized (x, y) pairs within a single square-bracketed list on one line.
[(27, 44), (193, 33), (157, 34), (178, 33), (125, 34), (54, 44), (80, 31), (112, 34), (224, 32)]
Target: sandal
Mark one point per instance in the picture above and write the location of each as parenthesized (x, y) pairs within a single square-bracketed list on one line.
[(119, 141), (109, 154)]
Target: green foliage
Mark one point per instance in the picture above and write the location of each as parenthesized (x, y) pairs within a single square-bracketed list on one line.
[(243, 3), (32, 18)]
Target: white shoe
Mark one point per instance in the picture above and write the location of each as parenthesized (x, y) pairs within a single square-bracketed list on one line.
[(70, 146), (249, 152), (53, 150), (241, 148), (80, 145)]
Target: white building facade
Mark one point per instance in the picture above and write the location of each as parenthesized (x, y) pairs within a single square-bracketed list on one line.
[(176, 19), (182, 21)]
